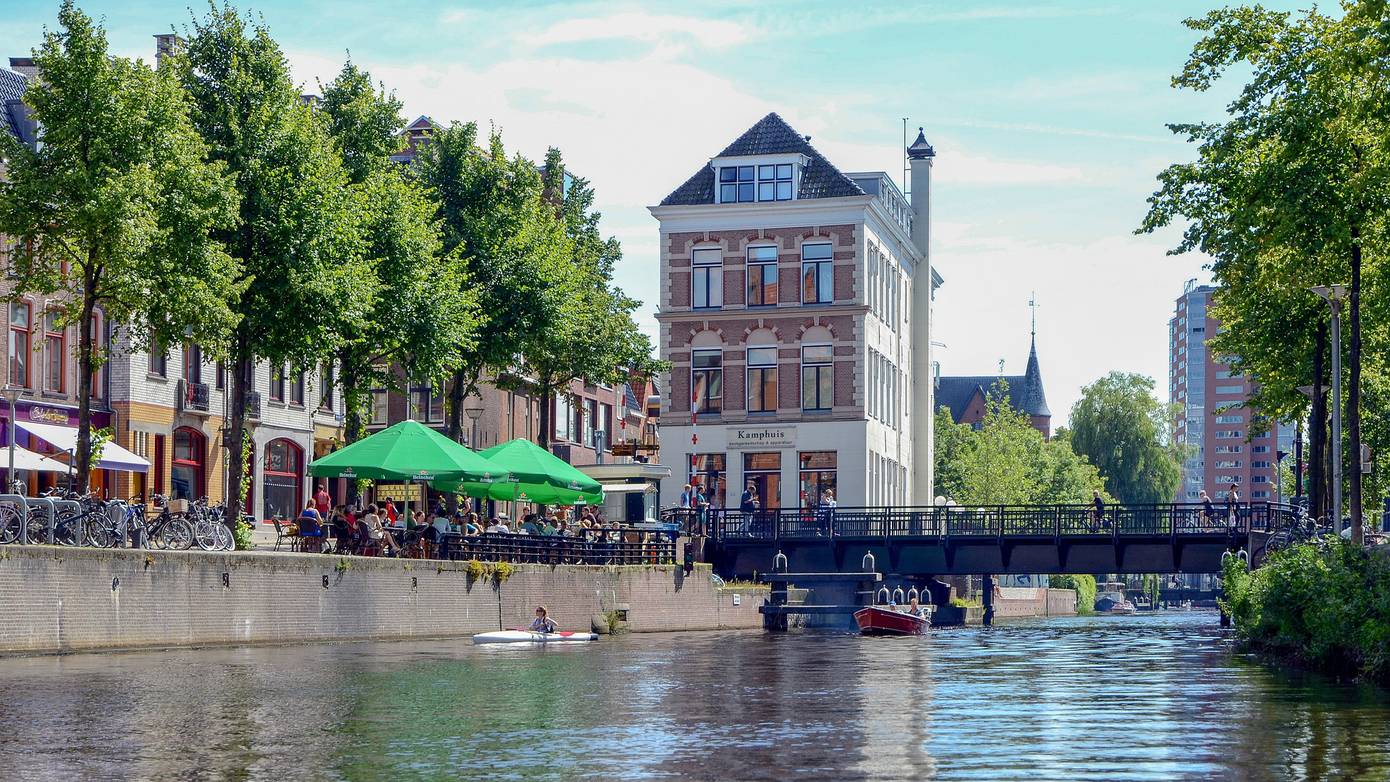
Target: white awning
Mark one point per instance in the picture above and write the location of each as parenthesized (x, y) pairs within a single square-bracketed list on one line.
[(25, 459), (64, 438), (620, 488)]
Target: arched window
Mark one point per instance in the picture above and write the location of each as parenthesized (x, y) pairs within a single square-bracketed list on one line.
[(283, 479), (190, 456)]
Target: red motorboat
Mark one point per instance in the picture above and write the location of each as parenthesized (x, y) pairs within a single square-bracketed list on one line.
[(885, 621)]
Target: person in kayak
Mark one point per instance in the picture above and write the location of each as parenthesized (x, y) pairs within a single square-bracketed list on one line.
[(542, 623)]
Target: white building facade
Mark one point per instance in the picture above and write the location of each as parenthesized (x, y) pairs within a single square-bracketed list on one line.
[(796, 314)]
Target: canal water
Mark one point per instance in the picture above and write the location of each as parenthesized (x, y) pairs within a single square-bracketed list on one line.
[(1105, 698)]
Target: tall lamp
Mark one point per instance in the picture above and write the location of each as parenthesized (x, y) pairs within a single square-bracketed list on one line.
[(11, 394), (1335, 295), (473, 408)]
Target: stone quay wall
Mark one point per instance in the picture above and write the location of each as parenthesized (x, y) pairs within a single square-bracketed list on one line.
[(75, 599), (1017, 602)]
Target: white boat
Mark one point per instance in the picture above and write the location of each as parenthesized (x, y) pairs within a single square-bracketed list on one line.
[(532, 637), (1110, 599)]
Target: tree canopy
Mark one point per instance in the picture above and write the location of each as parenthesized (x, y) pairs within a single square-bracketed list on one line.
[(1006, 461), (1291, 191), (1120, 427), (116, 207)]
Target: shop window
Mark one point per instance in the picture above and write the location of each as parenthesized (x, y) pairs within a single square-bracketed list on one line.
[(764, 472), (190, 455), (709, 470), (282, 479), (818, 477)]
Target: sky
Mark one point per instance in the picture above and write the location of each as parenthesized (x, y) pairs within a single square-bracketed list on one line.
[(1048, 120)]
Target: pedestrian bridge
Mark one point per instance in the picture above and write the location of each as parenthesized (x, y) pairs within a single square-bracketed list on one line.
[(1000, 539)]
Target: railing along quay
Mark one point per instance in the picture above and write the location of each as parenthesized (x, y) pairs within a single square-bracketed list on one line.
[(1015, 522)]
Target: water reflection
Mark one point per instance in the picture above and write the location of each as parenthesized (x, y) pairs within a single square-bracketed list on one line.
[(1139, 698)]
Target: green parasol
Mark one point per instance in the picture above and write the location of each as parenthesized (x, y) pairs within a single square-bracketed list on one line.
[(536, 475), (408, 451)]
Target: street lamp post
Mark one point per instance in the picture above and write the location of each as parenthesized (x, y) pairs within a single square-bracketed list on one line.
[(12, 396), (473, 408), (1335, 295)]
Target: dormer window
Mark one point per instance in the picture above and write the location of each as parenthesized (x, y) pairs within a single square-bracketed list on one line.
[(764, 182)]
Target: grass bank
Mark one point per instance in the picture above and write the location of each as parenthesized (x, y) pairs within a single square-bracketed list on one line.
[(1322, 606)]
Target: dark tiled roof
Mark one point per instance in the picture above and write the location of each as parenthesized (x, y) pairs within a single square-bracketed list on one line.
[(770, 136), (12, 87), (1025, 391)]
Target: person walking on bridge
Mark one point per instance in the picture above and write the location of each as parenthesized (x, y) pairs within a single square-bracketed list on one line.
[(1233, 507), (1208, 512)]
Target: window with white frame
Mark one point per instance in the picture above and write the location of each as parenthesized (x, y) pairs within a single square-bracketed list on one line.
[(762, 380), (817, 377), (707, 380), (817, 274), (762, 276), (761, 182), (707, 273)]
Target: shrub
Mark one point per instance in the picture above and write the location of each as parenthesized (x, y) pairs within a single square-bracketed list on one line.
[(1324, 605), (1085, 587)]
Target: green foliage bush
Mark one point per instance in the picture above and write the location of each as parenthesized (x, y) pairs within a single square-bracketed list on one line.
[(1325, 606), (1085, 587)]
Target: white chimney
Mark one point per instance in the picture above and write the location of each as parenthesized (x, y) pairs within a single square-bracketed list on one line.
[(923, 391)]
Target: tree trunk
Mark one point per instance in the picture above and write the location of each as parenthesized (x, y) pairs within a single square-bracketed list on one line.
[(83, 457), (1317, 435), (236, 427), (545, 422), (457, 392), (353, 425), (1353, 409)]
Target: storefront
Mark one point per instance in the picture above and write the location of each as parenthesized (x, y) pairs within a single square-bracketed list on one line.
[(631, 490), (789, 465), (51, 430)]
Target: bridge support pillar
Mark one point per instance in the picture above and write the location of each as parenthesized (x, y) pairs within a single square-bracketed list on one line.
[(989, 600)]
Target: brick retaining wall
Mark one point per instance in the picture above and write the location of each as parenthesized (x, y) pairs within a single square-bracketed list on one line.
[(65, 599)]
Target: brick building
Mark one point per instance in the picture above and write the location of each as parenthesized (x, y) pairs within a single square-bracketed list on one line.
[(796, 310), (1231, 444), (965, 395)]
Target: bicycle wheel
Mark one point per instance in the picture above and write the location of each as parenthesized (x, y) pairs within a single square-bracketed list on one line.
[(225, 541), (175, 534), (37, 525), (100, 533), (204, 535), (68, 531), (11, 523)]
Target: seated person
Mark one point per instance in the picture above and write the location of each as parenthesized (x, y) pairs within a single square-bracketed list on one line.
[(472, 526), (310, 522), (529, 526), (376, 532), (542, 623)]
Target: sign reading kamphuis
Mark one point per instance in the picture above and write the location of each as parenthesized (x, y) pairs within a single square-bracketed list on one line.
[(762, 437)]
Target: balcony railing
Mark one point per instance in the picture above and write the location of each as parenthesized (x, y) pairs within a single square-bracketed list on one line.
[(194, 397), (253, 405)]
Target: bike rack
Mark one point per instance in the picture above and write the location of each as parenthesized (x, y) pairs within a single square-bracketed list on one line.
[(17, 500), (47, 504), (116, 512)]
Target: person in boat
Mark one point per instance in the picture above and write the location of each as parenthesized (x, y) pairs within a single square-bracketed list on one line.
[(542, 623), (915, 609)]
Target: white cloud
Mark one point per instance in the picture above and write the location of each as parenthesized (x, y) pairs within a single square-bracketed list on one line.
[(648, 28)]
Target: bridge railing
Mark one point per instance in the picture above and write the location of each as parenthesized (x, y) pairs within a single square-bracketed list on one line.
[(999, 521)]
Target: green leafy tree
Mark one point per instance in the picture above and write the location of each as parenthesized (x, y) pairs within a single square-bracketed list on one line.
[(1291, 191), (507, 243), (116, 205), (590, 335), (423, 312), (306, 282), (1120, 427), (1005, 461)]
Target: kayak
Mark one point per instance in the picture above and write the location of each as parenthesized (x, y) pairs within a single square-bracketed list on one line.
[(530, 637)]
